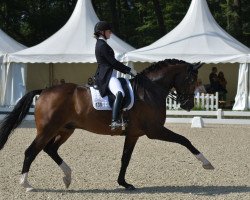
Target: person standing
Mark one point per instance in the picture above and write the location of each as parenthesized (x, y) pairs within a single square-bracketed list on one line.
[(105, 76), (214, 81), (199, 88), (55, 82), (62, 81), (222, 86)]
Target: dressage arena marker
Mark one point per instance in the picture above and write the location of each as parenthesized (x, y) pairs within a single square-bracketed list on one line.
[(197, 122)]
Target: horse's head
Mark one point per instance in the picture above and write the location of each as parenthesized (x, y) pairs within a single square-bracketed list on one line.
[(184, 84), (178, 74)]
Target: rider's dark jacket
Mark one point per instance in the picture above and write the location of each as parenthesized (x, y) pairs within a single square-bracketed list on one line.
[(106, 61)]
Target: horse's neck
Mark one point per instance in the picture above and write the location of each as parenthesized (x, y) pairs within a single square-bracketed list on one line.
[(149, 91), (159, 79)]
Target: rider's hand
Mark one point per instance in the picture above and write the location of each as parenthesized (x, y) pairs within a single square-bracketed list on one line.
[(133, 72)]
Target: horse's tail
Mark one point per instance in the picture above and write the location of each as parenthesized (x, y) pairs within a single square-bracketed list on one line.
[(14, 119)]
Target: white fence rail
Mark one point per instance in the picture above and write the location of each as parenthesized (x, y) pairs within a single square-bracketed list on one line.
[(201, 101), (212, 115), (209, 117)]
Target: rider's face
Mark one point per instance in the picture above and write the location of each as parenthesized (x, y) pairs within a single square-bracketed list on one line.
[(107, 33)]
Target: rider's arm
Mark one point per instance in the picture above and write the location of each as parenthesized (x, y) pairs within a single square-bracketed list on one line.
[(106, 52)]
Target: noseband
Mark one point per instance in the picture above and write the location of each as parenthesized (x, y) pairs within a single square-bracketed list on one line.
[(183, 97)]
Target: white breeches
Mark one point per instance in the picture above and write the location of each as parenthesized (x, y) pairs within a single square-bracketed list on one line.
[(115, 86)]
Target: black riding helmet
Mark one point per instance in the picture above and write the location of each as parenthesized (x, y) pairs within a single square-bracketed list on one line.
[(101, 26)]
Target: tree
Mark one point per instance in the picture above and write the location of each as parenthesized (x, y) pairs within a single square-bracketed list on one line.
[(160, 19), (236, 17), (138, 22)]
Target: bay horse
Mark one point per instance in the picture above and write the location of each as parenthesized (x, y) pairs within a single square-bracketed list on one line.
[(61, 109)]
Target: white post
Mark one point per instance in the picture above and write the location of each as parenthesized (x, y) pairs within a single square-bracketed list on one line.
[(174, 105), (178, 106), (197, 98), (170, 105), (202, 100), (212, 101), (197, 122), (219, 114), (217, 101), (207, 101)]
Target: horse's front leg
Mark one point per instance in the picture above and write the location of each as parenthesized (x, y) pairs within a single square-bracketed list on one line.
[(162, 133), (127, 152)]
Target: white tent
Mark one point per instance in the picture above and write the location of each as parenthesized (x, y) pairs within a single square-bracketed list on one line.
[(242, 99), (197, 38), (73, 43), (12, 77)]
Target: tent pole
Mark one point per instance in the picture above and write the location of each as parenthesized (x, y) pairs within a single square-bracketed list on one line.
[(51, 73)]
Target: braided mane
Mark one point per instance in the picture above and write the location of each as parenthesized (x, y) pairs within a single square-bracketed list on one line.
[(159, 65)]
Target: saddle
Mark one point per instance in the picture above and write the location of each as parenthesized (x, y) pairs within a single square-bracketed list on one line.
[(106, 103)]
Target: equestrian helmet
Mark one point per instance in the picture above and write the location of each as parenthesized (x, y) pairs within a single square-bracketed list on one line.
[(102, 26)]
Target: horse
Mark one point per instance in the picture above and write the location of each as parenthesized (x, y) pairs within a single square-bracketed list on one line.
[(61, 109)]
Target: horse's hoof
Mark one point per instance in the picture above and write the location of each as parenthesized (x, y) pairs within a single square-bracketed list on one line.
[(30, 189), (130, 187), (67, 181), (208, 166), (27, 186)]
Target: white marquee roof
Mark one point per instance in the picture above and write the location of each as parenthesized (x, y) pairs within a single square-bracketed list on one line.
[(12, 77), (8, 45), (197, 38), (73, 43)]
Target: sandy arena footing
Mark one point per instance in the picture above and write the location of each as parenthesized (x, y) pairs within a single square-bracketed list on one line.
[(159, 170)]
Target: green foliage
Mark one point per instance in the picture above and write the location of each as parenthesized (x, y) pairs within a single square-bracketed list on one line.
[(198, 108), (30, 22), (135, 21)]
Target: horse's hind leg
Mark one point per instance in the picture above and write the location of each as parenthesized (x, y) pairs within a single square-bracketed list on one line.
[(168, 135), (52, 150), (30, 154)]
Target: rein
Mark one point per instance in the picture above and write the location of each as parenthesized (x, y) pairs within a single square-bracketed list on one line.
[(181, 97)]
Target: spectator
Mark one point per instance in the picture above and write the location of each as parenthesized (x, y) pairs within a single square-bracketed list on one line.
[(222, 86), (214, 81), (55, 82), (62, 81), (199, 88)]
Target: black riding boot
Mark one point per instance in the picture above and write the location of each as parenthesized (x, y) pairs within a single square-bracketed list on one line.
[(116, 111)]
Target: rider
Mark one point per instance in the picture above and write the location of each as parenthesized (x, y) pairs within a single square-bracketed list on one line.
[(105, 76)]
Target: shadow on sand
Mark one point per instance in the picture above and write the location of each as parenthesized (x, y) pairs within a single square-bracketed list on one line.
[(197, 190)]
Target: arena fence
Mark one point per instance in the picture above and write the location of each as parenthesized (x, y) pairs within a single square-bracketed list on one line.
[(201, 101), (210, 115)]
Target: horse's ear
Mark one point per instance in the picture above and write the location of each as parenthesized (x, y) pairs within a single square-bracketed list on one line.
[(198, 65)]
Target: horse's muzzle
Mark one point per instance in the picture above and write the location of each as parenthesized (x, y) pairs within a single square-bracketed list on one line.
[(187, 105)]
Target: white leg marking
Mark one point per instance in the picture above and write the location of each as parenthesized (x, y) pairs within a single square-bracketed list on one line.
[(205, 163), (67, 172), (24, 182)]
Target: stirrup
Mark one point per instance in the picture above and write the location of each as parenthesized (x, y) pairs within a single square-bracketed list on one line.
[(118, 124)]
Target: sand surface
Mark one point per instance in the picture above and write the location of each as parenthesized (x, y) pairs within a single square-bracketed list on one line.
[(159, 170)]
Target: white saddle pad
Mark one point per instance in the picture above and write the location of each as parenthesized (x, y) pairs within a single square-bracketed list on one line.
[(100, 103)]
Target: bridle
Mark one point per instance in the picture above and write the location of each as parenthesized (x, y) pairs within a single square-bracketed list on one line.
[(183, 97)]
